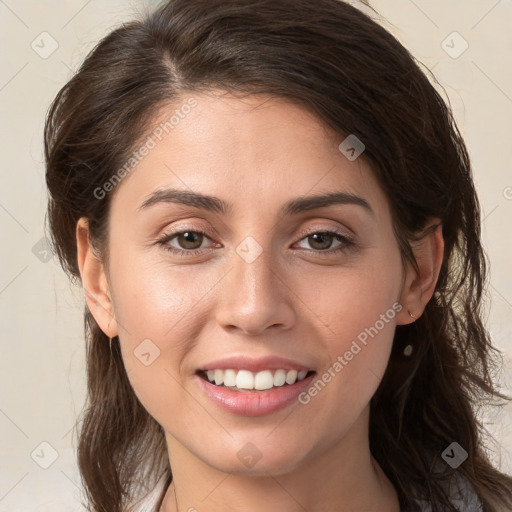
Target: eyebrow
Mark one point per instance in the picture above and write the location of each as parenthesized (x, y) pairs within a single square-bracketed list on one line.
[(217, 205)]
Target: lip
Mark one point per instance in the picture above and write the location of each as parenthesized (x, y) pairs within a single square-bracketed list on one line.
[(255, 364), (256, 403)]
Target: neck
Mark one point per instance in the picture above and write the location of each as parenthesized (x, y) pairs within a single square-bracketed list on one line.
[(340, 478)]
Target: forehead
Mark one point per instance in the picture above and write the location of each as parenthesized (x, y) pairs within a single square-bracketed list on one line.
[(249, 149)]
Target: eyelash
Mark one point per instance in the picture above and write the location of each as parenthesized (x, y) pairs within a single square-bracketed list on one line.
[(346, 243)]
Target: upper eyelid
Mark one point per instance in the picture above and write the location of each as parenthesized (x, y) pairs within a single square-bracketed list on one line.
[(331, 230)]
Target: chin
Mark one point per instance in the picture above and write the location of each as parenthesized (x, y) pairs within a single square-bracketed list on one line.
[(252, 459)]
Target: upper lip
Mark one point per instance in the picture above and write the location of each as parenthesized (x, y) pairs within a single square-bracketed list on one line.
[(255, 364)]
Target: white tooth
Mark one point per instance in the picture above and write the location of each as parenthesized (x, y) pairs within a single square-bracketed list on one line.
[(219, 377), (211, 375), (291, 376), (263, 380), (245, 379), (229, 378), (302, 374), (279, 377)]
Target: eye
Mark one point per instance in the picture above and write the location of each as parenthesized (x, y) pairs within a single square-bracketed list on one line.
[(189, 239), (187, 242), (322, 241)]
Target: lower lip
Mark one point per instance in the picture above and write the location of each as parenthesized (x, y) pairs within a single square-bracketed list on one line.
[(255, 403)]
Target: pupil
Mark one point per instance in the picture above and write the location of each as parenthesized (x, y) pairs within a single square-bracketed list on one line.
[(314, 238), (188, 239)]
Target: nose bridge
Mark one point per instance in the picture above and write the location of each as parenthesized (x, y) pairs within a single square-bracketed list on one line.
[(253, 296), (253, 270)]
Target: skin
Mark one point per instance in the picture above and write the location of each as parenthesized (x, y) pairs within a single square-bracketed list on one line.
[(257, 153)]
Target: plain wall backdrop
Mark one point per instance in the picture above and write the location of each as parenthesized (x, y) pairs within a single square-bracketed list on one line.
[(466, 43)]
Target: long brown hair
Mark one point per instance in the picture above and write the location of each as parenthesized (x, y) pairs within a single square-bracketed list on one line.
[(358, 79)]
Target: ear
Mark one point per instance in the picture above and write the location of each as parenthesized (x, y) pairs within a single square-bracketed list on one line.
[(94, 281), (419, 285)]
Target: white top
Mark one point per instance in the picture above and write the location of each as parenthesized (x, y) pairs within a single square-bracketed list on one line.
[(462, 495)]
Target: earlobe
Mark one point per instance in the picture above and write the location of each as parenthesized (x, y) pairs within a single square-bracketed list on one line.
[(420, 283), (94, 281)]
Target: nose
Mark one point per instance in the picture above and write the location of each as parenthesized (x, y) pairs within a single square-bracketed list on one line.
[(254, 297)]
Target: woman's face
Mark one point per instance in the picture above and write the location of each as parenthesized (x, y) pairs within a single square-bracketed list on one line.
[(262, 271)]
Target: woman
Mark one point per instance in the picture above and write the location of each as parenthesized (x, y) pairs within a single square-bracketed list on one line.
[(272, 215)]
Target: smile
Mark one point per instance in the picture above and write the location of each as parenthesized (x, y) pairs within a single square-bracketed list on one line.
[(278, 389), (245, 380)]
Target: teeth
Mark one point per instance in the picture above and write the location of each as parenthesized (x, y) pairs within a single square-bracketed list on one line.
[(229, 378), (291, 376), (279, 377), (244, 379), (219, 377)]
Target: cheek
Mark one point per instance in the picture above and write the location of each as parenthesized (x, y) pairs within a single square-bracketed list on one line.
[(158, 308), (153, 300), (349, 301), (357, 315)]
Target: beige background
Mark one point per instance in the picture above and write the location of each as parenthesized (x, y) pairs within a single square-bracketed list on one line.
[(42, 378)]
